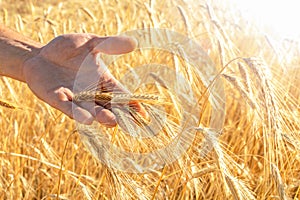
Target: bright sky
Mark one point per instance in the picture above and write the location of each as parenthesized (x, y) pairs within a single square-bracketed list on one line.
[(281, 15)]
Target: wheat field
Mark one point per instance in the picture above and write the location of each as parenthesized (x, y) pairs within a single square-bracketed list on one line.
[(255, 157)]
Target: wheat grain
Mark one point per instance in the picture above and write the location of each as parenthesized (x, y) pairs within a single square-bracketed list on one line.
[(278, 181), (240, 88), (246, 77), (20, 22), (185, 19), (89, 13), (231, 186), (124, 121), (158, 79), (7, 105), (222, 56), (4, 16), (119, 23)]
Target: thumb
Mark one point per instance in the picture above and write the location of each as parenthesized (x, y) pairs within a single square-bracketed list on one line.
[(113, 45)]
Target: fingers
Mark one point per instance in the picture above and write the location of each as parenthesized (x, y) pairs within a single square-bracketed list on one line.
[(105, 117), (112, 45), (75, 112), (100, 114), (61, 101), (81, 115), (84, 116)]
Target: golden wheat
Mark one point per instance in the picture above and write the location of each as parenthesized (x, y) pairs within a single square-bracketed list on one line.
[(239, 165), (122, 111), (104, 98)]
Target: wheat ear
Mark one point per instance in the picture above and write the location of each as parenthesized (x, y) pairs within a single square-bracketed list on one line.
[(7, 105)]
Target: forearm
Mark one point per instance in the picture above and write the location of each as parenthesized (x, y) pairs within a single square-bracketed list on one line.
[(14, 50)]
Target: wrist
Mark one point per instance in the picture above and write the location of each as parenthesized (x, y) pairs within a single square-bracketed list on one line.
[(30, 52), (15, 49)]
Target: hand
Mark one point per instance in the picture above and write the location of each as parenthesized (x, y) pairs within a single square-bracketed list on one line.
[(51, 73)]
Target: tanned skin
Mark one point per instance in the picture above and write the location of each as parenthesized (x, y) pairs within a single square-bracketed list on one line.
[(50, 70)]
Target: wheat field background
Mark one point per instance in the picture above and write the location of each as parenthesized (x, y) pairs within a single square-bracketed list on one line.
[(42, 156)]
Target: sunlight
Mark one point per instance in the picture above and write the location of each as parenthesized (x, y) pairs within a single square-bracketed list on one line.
[(280, 16)]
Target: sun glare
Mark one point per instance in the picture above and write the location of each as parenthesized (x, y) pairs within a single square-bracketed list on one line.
[(280, 16)]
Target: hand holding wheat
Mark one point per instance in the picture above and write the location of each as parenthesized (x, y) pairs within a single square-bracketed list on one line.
[(51, 73)]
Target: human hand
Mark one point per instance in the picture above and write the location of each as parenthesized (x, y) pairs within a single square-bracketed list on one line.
[(51, 73)]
